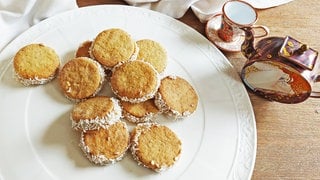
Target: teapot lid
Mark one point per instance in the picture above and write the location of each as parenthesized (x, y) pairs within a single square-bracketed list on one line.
[(298, 53)]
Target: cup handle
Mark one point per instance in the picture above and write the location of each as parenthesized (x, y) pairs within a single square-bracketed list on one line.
[(316, 94), (265, 29)]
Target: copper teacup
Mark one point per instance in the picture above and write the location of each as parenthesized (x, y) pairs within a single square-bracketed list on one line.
[(224, 29)]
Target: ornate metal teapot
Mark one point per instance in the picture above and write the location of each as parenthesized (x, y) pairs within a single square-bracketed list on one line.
[(280, 69)]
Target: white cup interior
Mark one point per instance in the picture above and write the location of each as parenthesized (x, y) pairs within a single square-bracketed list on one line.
[(240, 12)]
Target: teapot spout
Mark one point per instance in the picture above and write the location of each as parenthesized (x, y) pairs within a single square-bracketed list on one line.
[(247, 47)]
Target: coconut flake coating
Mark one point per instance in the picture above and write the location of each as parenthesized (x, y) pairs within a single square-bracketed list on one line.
[(139, 112), (105, 146), (35, 64), (94, 113), (176, 97)]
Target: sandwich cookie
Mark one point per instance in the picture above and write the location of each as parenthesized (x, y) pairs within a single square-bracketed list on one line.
[(112, 46), (155, 146), (134, 81), (35, 64), (83, 49), (139, 112), (153, 53), (81, 78), (176, 97), (94, 113), (105, 146)]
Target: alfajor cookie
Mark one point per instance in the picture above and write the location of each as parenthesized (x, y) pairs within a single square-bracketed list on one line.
[(81, 78), (176, 97), (155, 146), (106, 146), (94, 113), (35, 64), (139, 112), (134, 81), (83, 49), (154, 53), (112, 46)]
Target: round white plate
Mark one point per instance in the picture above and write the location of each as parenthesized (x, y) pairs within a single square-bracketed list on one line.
[(37, 142)]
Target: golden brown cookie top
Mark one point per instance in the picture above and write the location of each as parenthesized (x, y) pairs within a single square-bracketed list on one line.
[(112, 46), (134, 81), (140, 109), (152, 52), (141, 112), (107, 144), (92, 108), (178, 96), (81, 78), (36, 61), (155, 146)]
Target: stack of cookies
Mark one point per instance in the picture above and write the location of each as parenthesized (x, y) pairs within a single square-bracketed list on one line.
[(35, 64), (155, 146), (135, 73), (104, 137)]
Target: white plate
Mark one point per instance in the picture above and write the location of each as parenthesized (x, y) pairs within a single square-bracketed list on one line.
[(37, 142)]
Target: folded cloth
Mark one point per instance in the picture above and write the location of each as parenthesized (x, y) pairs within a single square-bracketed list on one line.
[(203, 9), (18, 15)]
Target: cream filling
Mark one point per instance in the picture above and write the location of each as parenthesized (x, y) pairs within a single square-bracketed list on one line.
[(99, 122), (100, 159)]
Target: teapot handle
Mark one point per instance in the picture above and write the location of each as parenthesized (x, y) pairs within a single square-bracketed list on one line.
[(316, 94), (265, 29), (247, 47)]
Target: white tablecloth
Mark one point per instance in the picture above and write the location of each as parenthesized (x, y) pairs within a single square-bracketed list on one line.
[(203, 9), (18, 15)]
